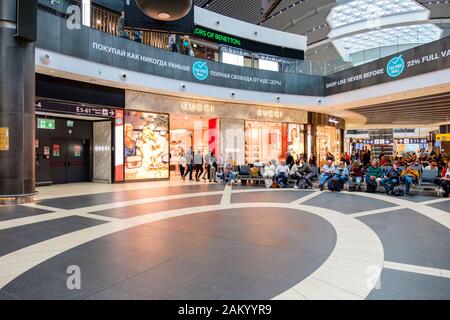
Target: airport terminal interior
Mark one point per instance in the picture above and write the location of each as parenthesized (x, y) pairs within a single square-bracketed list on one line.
[(225, 150)]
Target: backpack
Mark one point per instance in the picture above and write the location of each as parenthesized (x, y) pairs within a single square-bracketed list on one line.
[(372, 186), (336, 185)]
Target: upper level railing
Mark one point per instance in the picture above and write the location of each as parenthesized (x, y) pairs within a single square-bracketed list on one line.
[(106, 20)]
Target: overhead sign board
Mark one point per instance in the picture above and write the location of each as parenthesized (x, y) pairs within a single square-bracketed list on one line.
[(443, 137), (78, 109)]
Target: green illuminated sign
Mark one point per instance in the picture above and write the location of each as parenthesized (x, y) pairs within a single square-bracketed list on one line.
[(218, 37), (46, 124)]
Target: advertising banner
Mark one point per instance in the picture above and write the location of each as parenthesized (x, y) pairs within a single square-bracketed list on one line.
[(430, 57), (146, 146)]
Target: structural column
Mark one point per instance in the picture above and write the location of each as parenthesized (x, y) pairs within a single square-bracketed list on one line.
[(17, 91)]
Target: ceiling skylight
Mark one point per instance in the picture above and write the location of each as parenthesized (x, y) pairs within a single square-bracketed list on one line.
[(362, 10), (411, 34)]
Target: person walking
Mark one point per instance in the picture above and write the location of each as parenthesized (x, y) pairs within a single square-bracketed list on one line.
[(189, 164), (198, 164), (182, 163)]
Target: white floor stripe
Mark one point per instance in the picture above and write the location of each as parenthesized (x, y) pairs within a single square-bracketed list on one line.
[(305, 198), (375, 211), (436, 201), (226, 197), (417, 269), (357, 245)]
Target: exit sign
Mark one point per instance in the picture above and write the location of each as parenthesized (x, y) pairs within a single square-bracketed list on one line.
[(46, 124)]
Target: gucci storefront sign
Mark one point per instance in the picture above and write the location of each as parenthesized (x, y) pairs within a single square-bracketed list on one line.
[(197, 107), (269, 113)]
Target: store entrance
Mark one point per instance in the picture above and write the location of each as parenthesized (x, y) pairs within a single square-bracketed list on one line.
[(186, 132), (69, 161)]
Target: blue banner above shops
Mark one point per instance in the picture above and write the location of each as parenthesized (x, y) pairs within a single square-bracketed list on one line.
[(430, 57)]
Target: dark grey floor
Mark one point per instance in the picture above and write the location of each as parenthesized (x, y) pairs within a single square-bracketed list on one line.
[(399, 285), (83, 201), (268, 196), (345, 203), (16, 212), (136, 210), (444, 206), (182, 259), (19, 237), (411, 238)]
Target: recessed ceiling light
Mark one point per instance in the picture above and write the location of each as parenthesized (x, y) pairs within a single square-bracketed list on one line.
[(164, 15)]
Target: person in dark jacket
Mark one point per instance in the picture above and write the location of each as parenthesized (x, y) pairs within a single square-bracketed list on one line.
[(289, 159), (391, 178), (304, 173), (366, 159)]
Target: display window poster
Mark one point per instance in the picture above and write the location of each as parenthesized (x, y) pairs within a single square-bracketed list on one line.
[(146, 146), (295, 145)]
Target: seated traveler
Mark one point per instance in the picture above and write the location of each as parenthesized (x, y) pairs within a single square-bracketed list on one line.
[(408, 177), (340, 177), (328, 171), (373, 177), (269, 173), (301, 172), (391, 179), (306, 174), (228, 174), (282, 173), (444, 181), (356, 177)]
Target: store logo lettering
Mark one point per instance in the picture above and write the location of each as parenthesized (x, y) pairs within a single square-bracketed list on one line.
[(269, 113), (197, 107), (200, 70), (395, 66)]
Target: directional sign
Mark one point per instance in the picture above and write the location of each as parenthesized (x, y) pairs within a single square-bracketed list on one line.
[(80, 109)]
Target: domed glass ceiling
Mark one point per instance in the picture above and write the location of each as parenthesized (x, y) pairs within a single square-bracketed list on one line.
[(361, 10)]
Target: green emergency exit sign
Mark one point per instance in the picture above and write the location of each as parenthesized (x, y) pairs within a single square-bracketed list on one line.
[(46, 124)]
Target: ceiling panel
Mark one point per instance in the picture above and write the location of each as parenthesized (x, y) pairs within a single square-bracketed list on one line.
[(422, 110), (307, 15)]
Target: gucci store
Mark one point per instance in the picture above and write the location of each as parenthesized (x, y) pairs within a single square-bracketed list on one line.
[(159, 130)]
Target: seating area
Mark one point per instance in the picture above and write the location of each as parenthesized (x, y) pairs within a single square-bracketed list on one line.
[(250, 175)]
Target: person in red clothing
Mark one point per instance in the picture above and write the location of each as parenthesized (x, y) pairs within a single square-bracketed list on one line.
[(383, 161), (444, 181), (356, 176)]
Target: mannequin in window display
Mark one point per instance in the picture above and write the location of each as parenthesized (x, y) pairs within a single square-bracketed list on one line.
[(294, 141)]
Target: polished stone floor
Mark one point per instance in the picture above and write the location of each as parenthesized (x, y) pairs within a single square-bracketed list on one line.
[(183, 240)]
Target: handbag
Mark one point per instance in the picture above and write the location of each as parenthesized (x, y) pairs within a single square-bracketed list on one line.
[(133, 162)]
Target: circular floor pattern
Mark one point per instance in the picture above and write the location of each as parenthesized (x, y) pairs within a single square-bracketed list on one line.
[(235, 244)]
